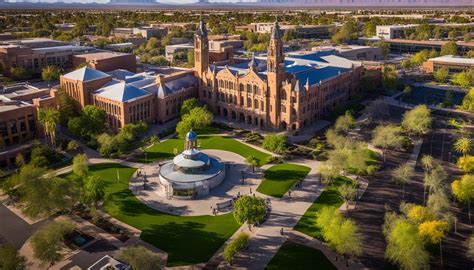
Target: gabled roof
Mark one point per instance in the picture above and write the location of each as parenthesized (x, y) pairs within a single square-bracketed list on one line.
[(86, 74), (177, 84), (122, 92)]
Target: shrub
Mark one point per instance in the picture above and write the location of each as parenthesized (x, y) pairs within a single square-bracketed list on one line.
[(275, 160), (235, 245), (371, 169), (275, 143)]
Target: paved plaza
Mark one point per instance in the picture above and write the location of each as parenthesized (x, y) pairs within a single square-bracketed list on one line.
[(154, 195)]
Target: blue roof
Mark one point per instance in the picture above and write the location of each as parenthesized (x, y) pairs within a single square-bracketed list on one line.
[(298, 68), (121, 92), (315, 56), (86, 74), (176, 85), (191, 135), (316, 75)]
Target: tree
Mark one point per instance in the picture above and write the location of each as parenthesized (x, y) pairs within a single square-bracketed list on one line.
[(252, 161), (441, 75), (402, 175), (463, 146), (67, 107), (92, 190), (438, 201), (386, 137), (10, 259), (470, 251), (197, 119), (188, 105), (466, 164), (346, 33), (80, 166), (19, 73), (275, 143), (249, 209), (385, 48), (405, 247), (463, 79), (139, 257), (49, 119), (40, 195), (344, 122), (347, 192), (49, 73), (389, 77), (417, 120), (72, 146), (420, 57), (435, 180), (235, 246), (417, 213), (377, 110), (450, 48), (90, 123), (434, 231), (341, 233), (46, 241), (463, 191), (468, 101), (427, 162)]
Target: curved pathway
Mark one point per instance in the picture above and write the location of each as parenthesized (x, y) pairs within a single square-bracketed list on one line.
[(286, 212)]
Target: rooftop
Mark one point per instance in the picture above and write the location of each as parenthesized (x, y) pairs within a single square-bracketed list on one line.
[(122, 92), (453, 59), (101, 55), (86, 74)]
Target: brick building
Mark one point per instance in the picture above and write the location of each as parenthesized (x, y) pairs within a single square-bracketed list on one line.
[(454, 64), (275, 91), (107, 61)]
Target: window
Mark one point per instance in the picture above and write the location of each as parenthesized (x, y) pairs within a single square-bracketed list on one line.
[(249, 102), (283, 95)]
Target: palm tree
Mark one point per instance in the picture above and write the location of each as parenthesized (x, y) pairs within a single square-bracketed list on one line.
[(428, 162), (49, 119), (253, 161), (463, 146)]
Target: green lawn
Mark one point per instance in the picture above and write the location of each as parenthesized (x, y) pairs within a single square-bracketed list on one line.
[(329, 198), (165, 150), (294, 256), (188, 240), (281, 177)]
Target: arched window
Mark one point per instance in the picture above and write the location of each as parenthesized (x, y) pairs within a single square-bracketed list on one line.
[(255, 104), (249, 88), (230, 99), (249, 102), (255, 89), (241, 87), (283, 95), (241, 101), (293, 111)]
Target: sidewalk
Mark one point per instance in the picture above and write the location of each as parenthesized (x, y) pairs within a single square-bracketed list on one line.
[(286, 212)]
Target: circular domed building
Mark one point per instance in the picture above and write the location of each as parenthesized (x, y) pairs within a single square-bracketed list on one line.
[(192, 173)]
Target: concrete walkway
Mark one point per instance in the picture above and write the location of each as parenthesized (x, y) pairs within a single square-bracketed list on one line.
[(286, 212)]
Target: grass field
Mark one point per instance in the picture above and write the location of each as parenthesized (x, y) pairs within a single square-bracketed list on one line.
[(329, 198), (281, 177), (188, 240), (166, 149), (294, 256)]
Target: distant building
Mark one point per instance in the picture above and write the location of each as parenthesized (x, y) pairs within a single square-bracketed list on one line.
[(454, 64), (355, 52), (107, 61), (304, 31), (19, 105), (413, 46), (35, 54), (398, 31)]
